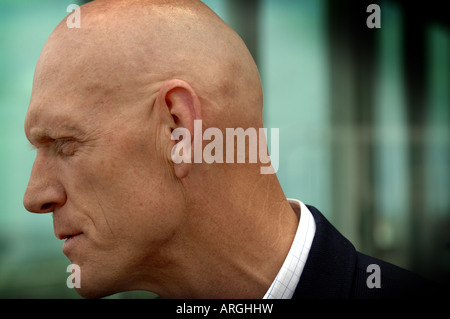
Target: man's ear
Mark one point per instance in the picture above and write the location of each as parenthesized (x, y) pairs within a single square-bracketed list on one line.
[(183, 106)]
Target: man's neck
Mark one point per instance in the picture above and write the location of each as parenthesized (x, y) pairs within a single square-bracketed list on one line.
[(236, 244)]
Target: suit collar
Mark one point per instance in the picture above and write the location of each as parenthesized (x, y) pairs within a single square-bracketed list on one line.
[(330, 266)]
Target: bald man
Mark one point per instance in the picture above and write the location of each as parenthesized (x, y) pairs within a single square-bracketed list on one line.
[(106, 100)]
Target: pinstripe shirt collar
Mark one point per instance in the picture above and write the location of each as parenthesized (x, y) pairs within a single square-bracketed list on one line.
[(286, 281)]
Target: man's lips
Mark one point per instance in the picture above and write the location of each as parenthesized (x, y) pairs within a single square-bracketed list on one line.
[(63, 236), (72, 236), (71, 241)]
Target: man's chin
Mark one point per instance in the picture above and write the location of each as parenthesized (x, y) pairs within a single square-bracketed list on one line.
[(95, 290), (94, 285)]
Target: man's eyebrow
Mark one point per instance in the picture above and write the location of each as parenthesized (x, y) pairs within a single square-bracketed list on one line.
[(46, 135)]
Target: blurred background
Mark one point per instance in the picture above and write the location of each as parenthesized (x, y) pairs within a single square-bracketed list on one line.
[(364, 119)]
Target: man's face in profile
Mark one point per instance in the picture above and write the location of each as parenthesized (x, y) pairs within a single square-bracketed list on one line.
[(106, 98), (97, 166)]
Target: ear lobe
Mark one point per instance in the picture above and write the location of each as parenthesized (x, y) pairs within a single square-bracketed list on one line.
[(183, 107)]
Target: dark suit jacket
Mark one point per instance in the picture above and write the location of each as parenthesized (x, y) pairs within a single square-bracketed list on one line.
[(334, 269)]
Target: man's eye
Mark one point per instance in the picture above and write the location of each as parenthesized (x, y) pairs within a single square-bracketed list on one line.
[(65, 146)]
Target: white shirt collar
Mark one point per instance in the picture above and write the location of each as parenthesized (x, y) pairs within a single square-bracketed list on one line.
[(286, 281)]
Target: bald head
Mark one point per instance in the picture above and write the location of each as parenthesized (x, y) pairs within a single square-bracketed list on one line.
[(129, 48)]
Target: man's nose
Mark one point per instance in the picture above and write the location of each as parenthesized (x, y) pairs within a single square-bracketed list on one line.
[(44, 193)]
